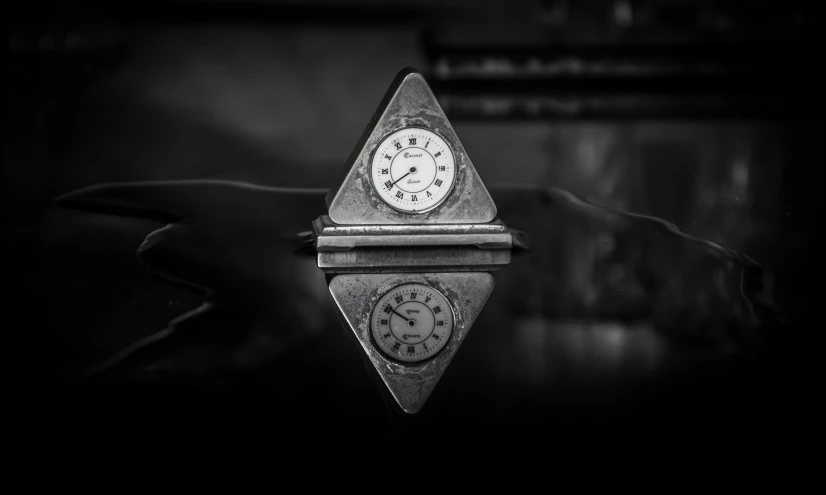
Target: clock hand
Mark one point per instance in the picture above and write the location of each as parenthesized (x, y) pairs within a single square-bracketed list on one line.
[(410, 321), (405, 319), (400, 178)]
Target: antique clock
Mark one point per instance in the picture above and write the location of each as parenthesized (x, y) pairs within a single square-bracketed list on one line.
[(409, 241)]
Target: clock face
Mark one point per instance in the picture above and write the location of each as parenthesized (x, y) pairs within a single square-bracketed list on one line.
[(411, 323), (413, 170)]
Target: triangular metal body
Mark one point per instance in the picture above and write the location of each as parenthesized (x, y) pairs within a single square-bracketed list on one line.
[(408, 103), (411, 385)]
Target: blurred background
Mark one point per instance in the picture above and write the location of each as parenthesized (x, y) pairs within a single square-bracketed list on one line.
[(704, 114)]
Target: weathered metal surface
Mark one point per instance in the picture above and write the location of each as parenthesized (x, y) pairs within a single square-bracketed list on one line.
[(408, 103), (411, 385), (330, 236), (448, 259), (372, 247)]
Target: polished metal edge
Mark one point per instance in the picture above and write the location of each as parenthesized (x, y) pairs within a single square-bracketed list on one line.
[(332, 237)]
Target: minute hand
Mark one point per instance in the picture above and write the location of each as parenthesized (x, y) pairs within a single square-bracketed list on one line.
[(405, 319), (397, 180)]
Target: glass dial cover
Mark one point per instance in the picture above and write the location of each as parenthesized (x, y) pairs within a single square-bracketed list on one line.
[(413, 170)]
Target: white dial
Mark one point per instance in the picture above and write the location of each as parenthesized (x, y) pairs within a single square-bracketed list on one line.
[(413, 170), (411, 323)]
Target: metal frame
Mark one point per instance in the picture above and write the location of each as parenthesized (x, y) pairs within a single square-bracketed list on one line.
[(408, 103)]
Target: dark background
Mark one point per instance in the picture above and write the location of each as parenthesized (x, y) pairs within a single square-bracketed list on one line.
[(705, 114)]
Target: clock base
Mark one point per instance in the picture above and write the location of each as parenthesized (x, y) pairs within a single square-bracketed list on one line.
[(413, 248)]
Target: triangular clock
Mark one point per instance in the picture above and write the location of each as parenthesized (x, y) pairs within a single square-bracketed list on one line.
[(409, 240), (409, 166)]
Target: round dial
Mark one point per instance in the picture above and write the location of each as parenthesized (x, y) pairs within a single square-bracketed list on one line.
[(413, 170), (411, 323)]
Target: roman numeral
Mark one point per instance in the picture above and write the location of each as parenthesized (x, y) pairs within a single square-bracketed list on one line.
[(428, 194), (439, 182), (396, 346), (436, 337), (437, 155), (425, 345), (399, 195), (440, 323), (426, 299), (426, 144), (413, 295), (385, 171), (415, 198), (398, 146), (412, 141), (388, 309), (385, 335), (388, 185), (388, 157), (441, 168), (398, 299), (437, 310), (384, 322), (411, 349)]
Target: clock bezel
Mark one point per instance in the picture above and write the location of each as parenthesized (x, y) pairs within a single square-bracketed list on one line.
[(446, 195), (381, 351)]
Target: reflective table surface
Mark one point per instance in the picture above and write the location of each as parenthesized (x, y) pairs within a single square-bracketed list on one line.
[(609, 321)]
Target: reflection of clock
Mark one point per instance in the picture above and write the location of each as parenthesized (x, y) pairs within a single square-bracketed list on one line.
[(411, 323), (413, 170)]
